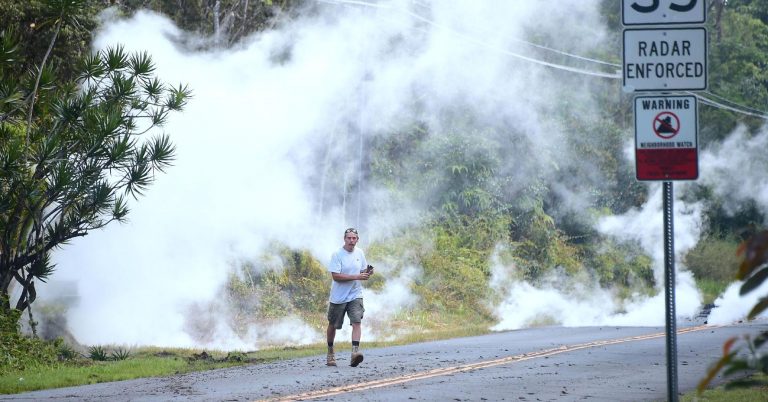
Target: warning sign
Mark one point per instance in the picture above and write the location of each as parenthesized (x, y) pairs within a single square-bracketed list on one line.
[(666, 131)]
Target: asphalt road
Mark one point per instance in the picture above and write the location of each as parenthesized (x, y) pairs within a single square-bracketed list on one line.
[(540, 364)]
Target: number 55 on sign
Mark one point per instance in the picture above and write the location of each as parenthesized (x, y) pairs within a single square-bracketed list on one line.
[(663, 12)]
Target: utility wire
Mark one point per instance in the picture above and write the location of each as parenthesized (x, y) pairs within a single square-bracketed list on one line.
[(733, 103), (738, 108), (478, 41), (560, 52), (354, 3), (710, 102), (519, 56), (575, 56)]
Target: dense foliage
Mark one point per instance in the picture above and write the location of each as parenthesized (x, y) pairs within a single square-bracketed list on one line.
[(38, 24), (737, 68), (18, 352)]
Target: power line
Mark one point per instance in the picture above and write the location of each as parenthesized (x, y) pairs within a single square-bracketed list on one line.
[(738, 108), (519, 56), (733, 103), (712, 103), (575, 56), (560, 52), (485, 44), (354, 3)]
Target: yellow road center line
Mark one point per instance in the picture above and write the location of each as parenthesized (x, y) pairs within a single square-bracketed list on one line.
[(473, 366)]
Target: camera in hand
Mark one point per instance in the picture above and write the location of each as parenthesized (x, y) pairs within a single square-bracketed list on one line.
[(368, 269)]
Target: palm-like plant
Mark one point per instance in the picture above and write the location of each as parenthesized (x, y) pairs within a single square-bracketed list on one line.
[(97, 353), (120, 354), (71, 152)]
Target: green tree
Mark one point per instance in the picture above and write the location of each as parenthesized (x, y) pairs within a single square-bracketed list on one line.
[(738, 56), (72, 150), (36, 22)]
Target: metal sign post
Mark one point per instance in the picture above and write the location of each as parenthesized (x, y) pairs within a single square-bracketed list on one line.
[(669, 291)]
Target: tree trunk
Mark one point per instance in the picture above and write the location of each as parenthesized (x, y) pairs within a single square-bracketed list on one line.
[(32, 322), (719, 5), (28, 293), (216, 25)]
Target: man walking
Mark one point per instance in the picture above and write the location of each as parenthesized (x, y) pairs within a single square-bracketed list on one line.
[(348, 267)]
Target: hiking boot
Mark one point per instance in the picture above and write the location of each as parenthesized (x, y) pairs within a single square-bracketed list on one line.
[(357, 358), (331, 360)]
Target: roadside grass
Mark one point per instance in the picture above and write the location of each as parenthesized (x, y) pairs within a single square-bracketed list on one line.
[(86, 371), (144, 362), (720, 394), (711, 289), (411, 326), (160, 362)]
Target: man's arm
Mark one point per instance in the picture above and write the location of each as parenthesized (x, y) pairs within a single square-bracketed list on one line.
[(339, 277)]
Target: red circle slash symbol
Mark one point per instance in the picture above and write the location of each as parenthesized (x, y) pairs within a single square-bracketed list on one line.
[(666, 125)]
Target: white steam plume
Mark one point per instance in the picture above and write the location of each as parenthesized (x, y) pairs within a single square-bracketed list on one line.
[(732, 307), (734, 169), (270, 148), (590, 304), (272, 135), (645, 225)]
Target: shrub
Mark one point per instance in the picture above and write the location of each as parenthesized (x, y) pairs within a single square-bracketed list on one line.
[(18, 352), (455, 277), (97, 353), (283, 282), (305, 279), (236, 357), (621, 265), (713, 258), (542, 246), (67, 352), (120, 354)]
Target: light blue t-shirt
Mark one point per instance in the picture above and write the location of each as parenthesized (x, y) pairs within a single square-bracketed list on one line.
[(350, 263)]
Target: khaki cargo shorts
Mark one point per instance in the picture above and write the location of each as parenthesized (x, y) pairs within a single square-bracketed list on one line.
[(354, 310)]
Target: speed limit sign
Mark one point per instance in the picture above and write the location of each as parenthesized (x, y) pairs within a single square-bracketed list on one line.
[(657, 12)]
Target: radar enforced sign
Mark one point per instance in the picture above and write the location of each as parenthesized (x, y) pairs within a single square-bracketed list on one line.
[(666, 145), (665, 59)]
